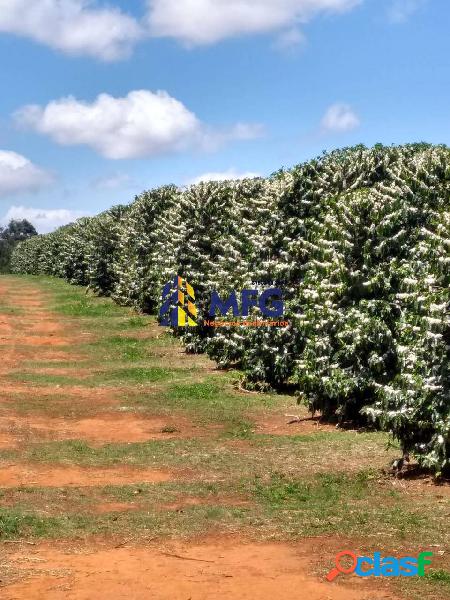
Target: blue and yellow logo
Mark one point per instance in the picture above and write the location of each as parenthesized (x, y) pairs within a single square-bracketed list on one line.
[(178, 304)]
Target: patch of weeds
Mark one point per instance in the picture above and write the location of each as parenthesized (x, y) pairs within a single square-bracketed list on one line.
[(212, 400), (16, 524), (341, 504), (139, 375), (285, 492), (76, 451), (438, 575), (88, 307), (74, 301), (206, 392), (123, 348), (169, 429), (240, 429), (136, 322), (10, 523), (434, 585), (193, 520), (154, 453)]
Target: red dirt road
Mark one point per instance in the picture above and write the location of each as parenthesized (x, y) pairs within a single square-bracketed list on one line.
[(179, 571)]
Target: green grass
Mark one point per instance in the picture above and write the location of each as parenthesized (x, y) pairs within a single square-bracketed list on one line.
[(326, 490), (127, 348), (239, 428), (139, 375), (17, 524), (214, 456), (280, 507), (438, 575), (202, 393), (196, 520), (135, 322), (214, 399), (153, 454), (121, 348), (87, 307), (435, 585), (341, 504), (118, 376)]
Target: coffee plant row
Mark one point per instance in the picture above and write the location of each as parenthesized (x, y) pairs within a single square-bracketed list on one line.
[(359, 241)]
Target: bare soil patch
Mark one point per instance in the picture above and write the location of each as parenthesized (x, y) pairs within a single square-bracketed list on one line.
[(47, 327), (227, 568), (25, 298), (422, 485), (96, 395), (47, 355), (37, 340), (73, 476), (26, 303), (277, 424), (7, 440), (219, 500), (5, 327), (97, 430), (77, 372), (7, 343), (112, 507)]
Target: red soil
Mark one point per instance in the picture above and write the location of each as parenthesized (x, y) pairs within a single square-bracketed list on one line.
[(106, 428), (224, 569), (50, 475)]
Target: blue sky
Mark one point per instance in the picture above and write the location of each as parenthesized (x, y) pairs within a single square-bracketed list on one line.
[(100, 101)]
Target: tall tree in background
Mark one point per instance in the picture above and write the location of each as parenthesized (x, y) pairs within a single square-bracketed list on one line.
[(15, 232)]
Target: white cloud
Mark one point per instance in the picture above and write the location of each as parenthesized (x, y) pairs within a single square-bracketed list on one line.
[(44, 220), (197, 22), (140, 125), (223, 176), (212, 139), (401, 10), (339, 118), (245, 131), (77, 27), (112, 182), (104, 31), (18, 174)]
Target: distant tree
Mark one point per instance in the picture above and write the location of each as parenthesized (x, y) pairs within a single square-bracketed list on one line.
[(17, 231)]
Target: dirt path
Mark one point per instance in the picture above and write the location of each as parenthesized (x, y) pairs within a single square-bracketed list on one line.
[(103, 568), (32, 331), (209, 571)]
